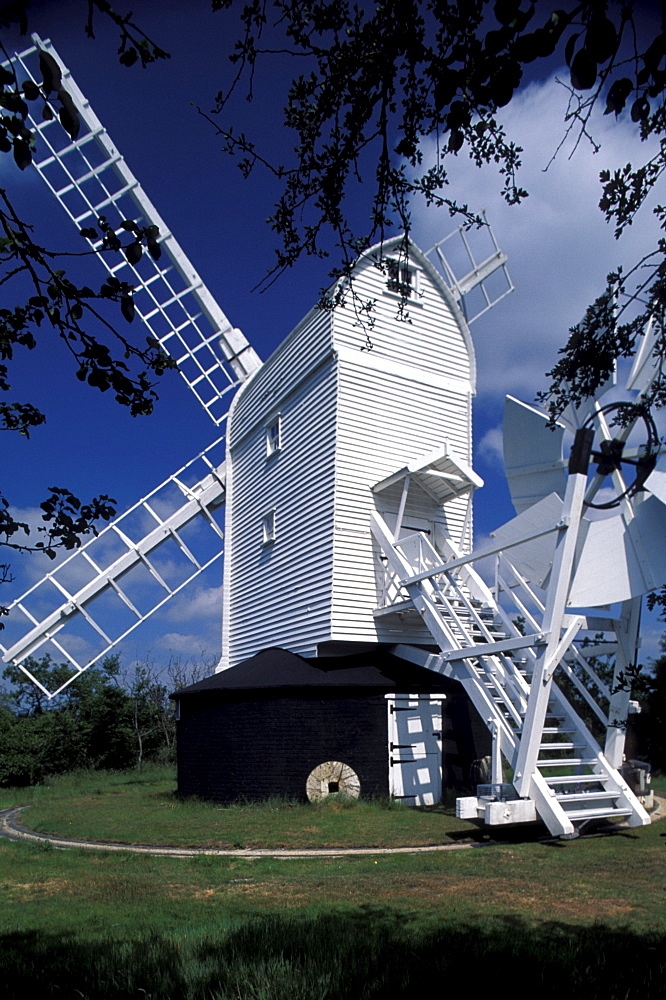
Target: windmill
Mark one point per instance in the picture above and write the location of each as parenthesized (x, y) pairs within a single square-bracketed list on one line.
[(93, 600), (347, 487)]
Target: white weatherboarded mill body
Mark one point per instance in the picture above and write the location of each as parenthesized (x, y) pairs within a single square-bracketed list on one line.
[(312, 433), (348, 488)]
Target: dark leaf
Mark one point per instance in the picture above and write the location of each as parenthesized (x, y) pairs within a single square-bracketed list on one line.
[(51, 76), (583, 70), (569, 48), (527, 48), (98, 379), (496, 41), (655, 53), (154, 249), (30, 89), (456, 139), (617, 95), (601, 38), (22, 154), (506, 10), (640, 109), (129, 226), (127, 307), (70, 123), (133, 252), (129, 58), (47, 113)]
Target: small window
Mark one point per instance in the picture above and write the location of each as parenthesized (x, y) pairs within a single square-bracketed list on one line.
[(401, 278), (268, 528), (273, 437)]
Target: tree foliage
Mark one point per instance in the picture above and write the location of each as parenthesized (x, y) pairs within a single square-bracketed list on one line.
[(109, 718), (374, 80)]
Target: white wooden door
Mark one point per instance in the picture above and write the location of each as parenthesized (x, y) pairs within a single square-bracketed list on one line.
[(415, 748)]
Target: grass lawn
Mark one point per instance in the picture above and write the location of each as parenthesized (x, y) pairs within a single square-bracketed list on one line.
[(587, 917), (143, 808)]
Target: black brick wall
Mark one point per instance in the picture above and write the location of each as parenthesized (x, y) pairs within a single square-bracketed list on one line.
[(233, 746), (238, 748)]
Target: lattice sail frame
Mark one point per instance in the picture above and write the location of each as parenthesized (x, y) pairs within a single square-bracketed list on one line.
[(90, 178), (95, 598), (118, 579), (478, 280)]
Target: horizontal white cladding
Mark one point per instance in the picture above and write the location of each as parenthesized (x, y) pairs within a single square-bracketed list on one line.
[(349, 418), (280, 592), (379, 363), (387, 416), (307, 346), (430, 334)]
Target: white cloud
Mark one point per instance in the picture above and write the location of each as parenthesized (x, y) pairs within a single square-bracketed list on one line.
[(490, 447), (559, 246), (196, 603)]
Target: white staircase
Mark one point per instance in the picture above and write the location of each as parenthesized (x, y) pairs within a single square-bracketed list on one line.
[(559, 772)]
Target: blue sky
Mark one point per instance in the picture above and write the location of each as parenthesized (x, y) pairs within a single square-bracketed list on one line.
[(559, 253)]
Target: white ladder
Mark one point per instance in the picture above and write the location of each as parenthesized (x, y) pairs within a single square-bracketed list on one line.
[(569, 779)]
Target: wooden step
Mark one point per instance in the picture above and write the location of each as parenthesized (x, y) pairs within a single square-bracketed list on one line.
[(564, 797), (567, 762), (575, 779), (561, 746), (599, 813)]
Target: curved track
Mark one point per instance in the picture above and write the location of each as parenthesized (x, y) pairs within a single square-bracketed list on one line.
[(12, 828)]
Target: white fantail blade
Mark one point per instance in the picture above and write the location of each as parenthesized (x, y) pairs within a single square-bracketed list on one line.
[(532, 454), (529, 539), (90, 179), (97, 596), (618, 560), (656, 481), (646, 366)]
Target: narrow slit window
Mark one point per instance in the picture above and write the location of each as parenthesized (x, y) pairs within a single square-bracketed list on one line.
[(273, 437), (268, 527)]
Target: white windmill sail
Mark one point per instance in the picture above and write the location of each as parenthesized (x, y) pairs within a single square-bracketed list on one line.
[(90, 178), (94, 599), (478, 279), (104, 590)]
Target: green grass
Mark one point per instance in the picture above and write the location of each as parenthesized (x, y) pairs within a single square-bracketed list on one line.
[(142, 808), (584, 917), (352, 956)]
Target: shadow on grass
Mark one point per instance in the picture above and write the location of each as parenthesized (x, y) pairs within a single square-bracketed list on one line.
[(362, 954)]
